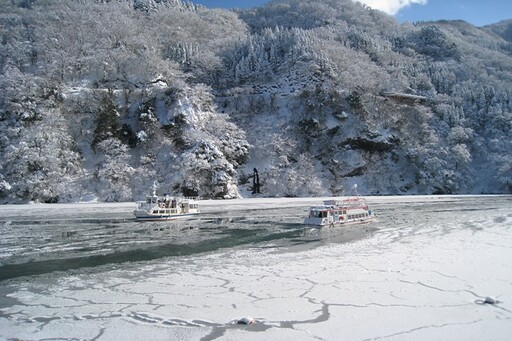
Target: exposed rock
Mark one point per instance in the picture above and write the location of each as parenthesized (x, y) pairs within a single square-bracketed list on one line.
[(370, 145)]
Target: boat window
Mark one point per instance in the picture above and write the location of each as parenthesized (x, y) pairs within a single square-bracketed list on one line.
[(319, 214)]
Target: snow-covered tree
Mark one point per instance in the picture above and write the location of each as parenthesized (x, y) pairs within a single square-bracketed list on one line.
[(42, 164), (113, 174), (329, 90)]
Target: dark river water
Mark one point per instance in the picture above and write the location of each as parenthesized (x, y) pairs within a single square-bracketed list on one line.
[(38, 239), (40, 242)]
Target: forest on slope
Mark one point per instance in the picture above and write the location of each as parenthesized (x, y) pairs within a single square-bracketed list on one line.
[(99, 99)]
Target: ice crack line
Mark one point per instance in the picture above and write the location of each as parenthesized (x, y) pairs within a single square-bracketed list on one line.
[(410, 331), (324, 316), (261, 326), (152, 319)]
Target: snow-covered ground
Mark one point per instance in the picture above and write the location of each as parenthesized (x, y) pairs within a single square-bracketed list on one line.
[(421, 272)]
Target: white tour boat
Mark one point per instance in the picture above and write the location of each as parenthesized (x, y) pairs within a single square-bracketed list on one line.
[(165, 207), (352, 210)]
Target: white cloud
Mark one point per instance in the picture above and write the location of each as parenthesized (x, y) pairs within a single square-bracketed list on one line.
[(391, 6)]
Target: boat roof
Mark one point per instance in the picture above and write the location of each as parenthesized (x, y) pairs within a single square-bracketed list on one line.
[(322, 207), (171, 197), (341, 204)]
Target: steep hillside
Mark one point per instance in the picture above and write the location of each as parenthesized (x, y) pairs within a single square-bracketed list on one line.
[(101, 99), (503, 29), (410, 109)]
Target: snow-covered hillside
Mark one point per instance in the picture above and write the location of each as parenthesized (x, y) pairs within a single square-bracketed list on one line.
[(101, 99)]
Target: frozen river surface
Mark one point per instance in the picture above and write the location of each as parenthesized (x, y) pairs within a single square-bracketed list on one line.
[(422, 272)]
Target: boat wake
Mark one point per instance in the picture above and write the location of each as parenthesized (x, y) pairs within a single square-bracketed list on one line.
[(38, 246)]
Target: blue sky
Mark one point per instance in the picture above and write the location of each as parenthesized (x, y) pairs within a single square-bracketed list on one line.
[(476, 12)]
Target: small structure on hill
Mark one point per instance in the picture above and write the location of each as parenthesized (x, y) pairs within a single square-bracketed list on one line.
[(255, 182)]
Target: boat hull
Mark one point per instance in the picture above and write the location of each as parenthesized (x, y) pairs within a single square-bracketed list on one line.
[(326, 222), (143, 216)]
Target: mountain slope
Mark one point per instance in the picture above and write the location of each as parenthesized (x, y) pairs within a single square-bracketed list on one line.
[(503, 29), (316, 95)]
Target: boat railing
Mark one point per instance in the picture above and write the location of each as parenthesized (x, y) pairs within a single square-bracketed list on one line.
[(143, 205), (191, 198)]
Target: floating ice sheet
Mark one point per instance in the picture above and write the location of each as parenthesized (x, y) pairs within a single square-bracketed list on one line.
[(419, 274)]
